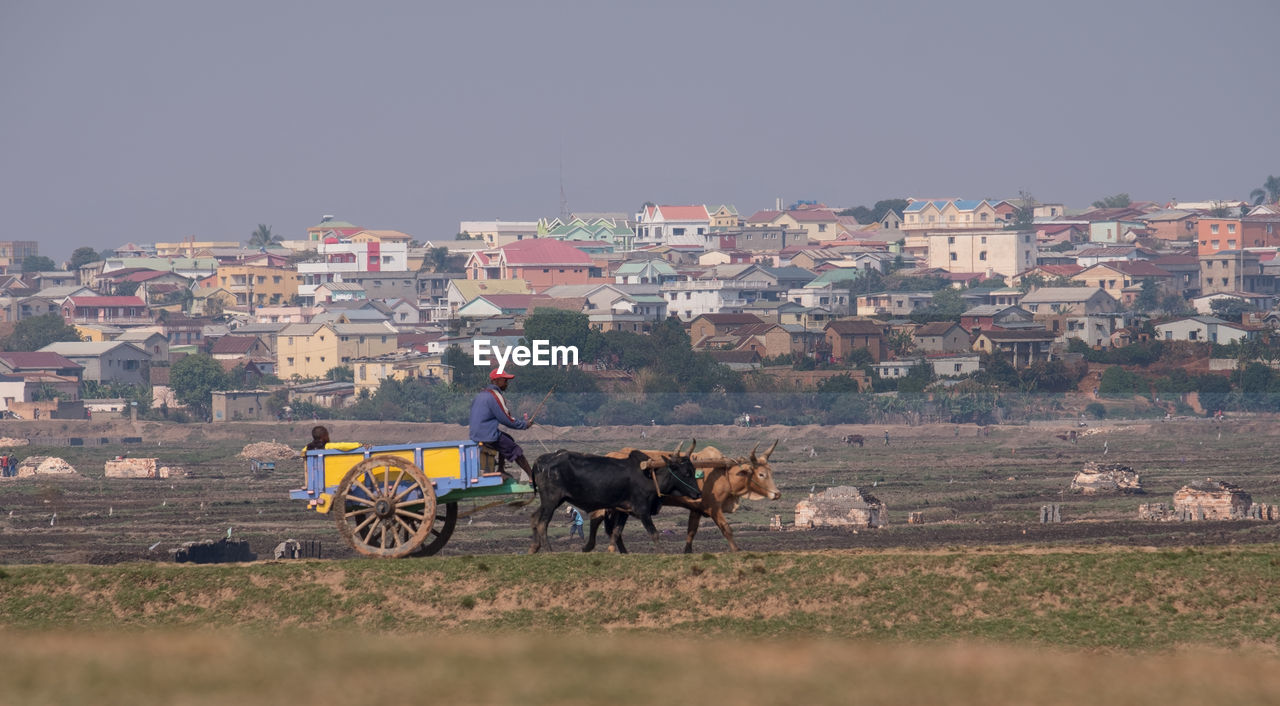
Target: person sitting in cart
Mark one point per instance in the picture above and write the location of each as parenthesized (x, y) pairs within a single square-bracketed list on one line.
[(488, 410), (315, 464)]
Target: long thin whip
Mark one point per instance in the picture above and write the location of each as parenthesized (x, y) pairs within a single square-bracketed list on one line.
[(544, 401)]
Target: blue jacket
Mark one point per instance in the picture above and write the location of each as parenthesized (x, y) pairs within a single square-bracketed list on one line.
[(487, 413)]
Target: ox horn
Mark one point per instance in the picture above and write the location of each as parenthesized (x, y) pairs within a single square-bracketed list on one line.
[(753, 452), (694, 446), (769, 451), (678, 448)]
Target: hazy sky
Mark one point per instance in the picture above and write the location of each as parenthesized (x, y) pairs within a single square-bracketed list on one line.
[(144, 121)]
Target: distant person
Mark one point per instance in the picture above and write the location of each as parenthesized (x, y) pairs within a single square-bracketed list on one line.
[(575, 523), (886, 437), (315, 464)]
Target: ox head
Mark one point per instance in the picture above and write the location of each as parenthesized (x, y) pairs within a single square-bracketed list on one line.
[(680, 477), (757, 475)]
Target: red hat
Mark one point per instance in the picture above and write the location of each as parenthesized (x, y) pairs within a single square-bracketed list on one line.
[(495, 374)]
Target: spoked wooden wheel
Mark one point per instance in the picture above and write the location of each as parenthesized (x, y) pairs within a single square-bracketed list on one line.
[(385, 507), (441, 531)]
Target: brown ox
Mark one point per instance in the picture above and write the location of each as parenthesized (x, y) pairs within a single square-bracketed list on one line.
[(726, 481)]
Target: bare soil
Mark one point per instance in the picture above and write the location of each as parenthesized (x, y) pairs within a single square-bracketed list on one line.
[(973, 489)]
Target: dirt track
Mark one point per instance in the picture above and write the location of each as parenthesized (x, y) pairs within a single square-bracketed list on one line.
[(974, 489)]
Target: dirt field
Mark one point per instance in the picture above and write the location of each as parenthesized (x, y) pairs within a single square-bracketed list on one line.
[(972, 489)]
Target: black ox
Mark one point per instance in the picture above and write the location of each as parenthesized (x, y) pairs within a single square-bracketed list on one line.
[(633, 484)]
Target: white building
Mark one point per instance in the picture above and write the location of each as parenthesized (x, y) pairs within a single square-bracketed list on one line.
[(955, 365), (344, 256), (672, 225), (1201, 329), (693, 298), (1003, 252)]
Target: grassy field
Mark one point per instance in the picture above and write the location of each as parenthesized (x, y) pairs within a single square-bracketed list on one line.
[(1087, 598), (970, 626)]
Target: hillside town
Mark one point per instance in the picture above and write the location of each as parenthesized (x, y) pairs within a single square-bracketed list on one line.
[(908, 295)]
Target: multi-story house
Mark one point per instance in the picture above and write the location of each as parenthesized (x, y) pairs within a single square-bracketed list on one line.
[(615, 232), (107, 361), (1050, 302), (1232, 271), (330, 228), (762, 239), (13, 252), (399, 365), (843, 336), (657, 225), (258, 285), (1185, 270), (830, 296), (645, 272), (1172, 224), (1020, 347), (461, 291), (1112, 232), (816, 223), (727, 293), (496, 234), (1215, 234), (724, 217), (941, 337), (1003, 252), (311, 350), (927, 215), (118, 311), (1114, 277), (896, 304), (340, 258), (541, 262)]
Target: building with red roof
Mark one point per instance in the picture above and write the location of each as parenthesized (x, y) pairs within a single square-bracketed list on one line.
[(541, 262), (671, 224), (106, 310)]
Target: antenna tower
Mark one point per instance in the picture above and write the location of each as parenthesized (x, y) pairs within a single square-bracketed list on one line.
[(564, 202)]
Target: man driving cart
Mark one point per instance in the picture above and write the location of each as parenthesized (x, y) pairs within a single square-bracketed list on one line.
[(488, 411)]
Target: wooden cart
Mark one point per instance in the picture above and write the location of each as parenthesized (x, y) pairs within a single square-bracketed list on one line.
[(402, 500)]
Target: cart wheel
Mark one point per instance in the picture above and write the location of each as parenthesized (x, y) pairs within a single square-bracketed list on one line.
[(386, 507), (446, 519)]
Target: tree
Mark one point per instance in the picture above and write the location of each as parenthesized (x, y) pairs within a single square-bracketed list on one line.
[(1114, 201), (947, 304), (193, 380), (36, 332), (439, 258), (1269, 193), (1220, 209), (1025, 213), (866, 216), (340, 373), (563, 328), (262, 237), (1229, 308), (1149, 298), (83, 256), (38, 263)]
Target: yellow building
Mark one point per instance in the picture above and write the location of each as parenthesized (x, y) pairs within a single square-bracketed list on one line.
[(380, 236), (97, 333), (311, 350), (269, 286), (370, 372), (725, 217)]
